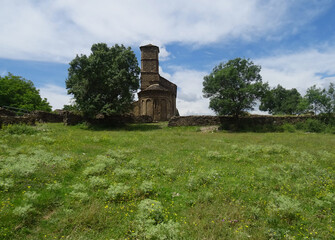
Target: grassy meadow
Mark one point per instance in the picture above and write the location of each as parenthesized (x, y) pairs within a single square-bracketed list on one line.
[(149, 181)]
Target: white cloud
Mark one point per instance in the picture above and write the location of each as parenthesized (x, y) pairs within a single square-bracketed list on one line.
[(300, 70), (163, 54), (56, 96), (56, 30), (189, 93)]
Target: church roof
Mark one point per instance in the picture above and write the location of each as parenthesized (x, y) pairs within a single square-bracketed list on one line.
[(149, 46), (156, 87)]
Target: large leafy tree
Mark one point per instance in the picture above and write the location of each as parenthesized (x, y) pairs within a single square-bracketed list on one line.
[(279, 100), (318, 100), (331, 96), (18, 92), (105, 81), (233, 87)]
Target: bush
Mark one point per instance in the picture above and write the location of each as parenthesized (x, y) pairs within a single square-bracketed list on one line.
[(149, 209), (6, 183), (23, 211), (146, 187), (330, 129), (95, 170), (20, 129), (97, 182), (313, 125), (287, 127), (117, 191), (150, 222)]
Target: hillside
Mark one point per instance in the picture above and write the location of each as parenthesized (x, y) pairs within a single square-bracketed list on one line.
[(153, 182)]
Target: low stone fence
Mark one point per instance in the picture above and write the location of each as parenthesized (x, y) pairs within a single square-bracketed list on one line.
[(70, 118), (251, 120), (47, 117), (5, 112), (194, 121), (6, 120)]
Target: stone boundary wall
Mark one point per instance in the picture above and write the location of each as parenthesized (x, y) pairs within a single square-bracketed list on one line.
[(47, 117), (227, 120), (5, 112), (117, 120), (6, 120), (194, 121), (71, 118), (68, 118)]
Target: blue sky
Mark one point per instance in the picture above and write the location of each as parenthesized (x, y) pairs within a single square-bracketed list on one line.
[(293, 41)]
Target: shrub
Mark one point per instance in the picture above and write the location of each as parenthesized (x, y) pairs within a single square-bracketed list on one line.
[(54, 186), (6, 184), (81, 196), (201, 179), (117, 154), (124, 172), (78, 187), (117, 191), (285, 207), (108, 161), (48, 140), (150, 222), (330, 129), (20, 166), (31, 196), (313, 125), (97, 182), (24, 165), (20, 129), (23, 211), (95, 170), (214, 155), (169, 230), (151, 210), (146, 187), (287, 127)]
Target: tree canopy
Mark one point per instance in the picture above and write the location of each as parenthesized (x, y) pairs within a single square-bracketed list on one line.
[(233, 87), (105, 81), (18, 92), (279, 100), (318, 99)]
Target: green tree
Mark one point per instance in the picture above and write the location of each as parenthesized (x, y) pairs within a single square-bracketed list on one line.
[(105, 81), (318, 100), (281, 101), (233, 87), (15, 91), (331, 97)]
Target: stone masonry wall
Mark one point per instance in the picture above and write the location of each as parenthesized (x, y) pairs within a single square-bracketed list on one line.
[(47, 117), (5, 112), (226, 120), (194, 121), (6, 120)]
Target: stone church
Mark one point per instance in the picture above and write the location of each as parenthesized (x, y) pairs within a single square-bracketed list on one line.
[(157, 97)]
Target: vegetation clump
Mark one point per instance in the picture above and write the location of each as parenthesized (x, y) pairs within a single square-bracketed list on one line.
[(103, 82), (18, 92)]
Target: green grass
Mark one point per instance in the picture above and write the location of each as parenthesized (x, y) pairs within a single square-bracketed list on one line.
[(153, 182)]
